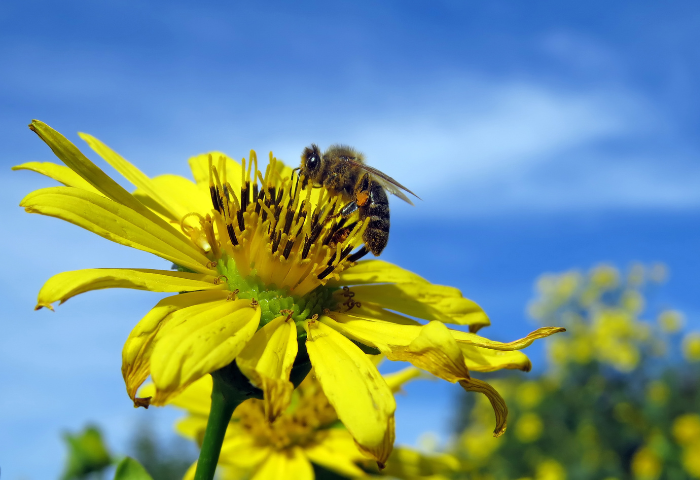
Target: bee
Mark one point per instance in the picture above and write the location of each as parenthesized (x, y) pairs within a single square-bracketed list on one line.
[(342, 170)]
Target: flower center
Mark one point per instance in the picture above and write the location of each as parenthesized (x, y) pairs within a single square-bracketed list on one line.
[(272, 240)]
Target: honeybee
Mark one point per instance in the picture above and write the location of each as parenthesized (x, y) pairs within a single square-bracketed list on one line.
[(342, 170)]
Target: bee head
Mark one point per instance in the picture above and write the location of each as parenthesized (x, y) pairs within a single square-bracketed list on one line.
[(311, 161)]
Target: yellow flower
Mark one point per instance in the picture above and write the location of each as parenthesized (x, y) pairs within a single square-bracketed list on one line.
[(550, 470), (266, 284), (646, 465), (686, 429), (529, 427), (691, 347), (308, 433), (670, 321)]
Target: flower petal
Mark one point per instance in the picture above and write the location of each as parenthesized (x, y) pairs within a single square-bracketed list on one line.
[(474, 339), (138, 348), (200, 169), (80, 164), (396, 380), (289, 463), (497, 402), (423, 300), (199, 344), (115, 222), (354, 387), (267, 361), (69, 284), (135, 176), (487, 360), (60, 173), (335, 452), (375, 271), (176, 190)]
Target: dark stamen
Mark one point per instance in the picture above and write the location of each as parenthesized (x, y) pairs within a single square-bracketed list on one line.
[(359, 254), (215, 198), (326, 272), (231, 234)]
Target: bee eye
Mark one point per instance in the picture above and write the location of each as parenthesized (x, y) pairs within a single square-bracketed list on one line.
[(312, 162)]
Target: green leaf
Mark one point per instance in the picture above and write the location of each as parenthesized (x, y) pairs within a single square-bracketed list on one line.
[(130, 469)]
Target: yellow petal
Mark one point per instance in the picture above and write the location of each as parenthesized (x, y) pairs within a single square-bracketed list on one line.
[(354, 387), (289, 463), (375, 312), (115, 222), (189, 474), (200, 169), (200, 344), (497, 402), (375, 333), (397, 379), (423, 300), (336, 452), (195, 399), (267, 361), (138, 348), (60, 173), (80, 164), (486, 360), (192, 427), (375, 271), (69, 284), (176, 190), (473, 339), (135, 176), (242, 451)]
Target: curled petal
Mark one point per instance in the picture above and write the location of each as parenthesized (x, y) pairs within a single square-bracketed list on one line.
[(397, 380), (497, 402), (267, 360), (198, 344), (474, 339), (354, 387), (65, 285), (487, 360)]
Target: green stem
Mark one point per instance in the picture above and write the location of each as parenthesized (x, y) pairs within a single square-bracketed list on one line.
[(223, 402)]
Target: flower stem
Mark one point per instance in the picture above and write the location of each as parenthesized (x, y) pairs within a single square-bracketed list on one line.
[(223, 402)]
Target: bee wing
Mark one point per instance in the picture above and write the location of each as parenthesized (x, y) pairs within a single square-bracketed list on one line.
[(389, 184)]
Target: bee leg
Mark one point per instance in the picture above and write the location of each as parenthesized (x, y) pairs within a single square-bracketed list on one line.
[(359, 254)]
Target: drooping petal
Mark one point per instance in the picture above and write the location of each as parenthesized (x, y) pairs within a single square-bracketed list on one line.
[(194, 399), (199, 344), (431, 348), (80, 164), (267, 360), (60, 173), (337, 452), (423, 300), (354, 387), (115, 222), (135, 176), (138, 348), (288, 463), (367, 272), (436, 351), (65, 285)]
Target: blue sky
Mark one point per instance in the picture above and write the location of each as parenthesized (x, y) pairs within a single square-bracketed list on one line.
[(541, 136)]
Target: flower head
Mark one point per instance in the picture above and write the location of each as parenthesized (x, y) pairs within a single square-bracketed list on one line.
[(305, 435), (267, 285)]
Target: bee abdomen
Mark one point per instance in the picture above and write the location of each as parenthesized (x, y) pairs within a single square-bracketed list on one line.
[(376, 236)]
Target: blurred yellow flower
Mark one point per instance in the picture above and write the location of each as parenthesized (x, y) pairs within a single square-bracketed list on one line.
[(605, 276), (691, 347), (646, 465), (265, 279), (550, 470), (670, 321), (528, 428), (658, 392), (529, 394), (691, 459), (686, 429)]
